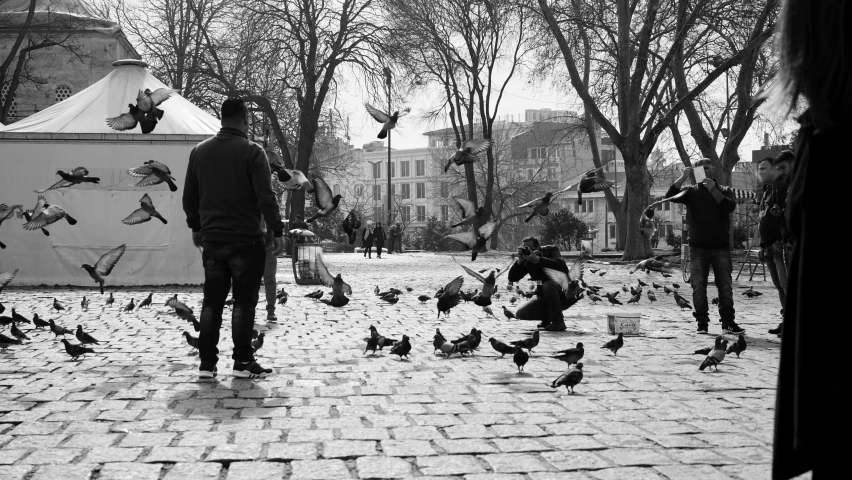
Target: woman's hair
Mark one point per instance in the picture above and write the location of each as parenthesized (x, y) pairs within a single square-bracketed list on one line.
[(816, 57)]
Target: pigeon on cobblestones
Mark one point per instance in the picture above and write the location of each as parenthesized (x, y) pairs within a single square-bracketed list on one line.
[(681, 302), (528, 343), (450, 297), (104, 265), (641, 283), (392, 298), (676, 286), (737, 347), (57, 306), (508, 313), (570, 378), (190, 340), (571, 355), (656, 285), (612, 298), (6, 320), (257, 342), (84, 337), (668, 290), (501, 347), (520, 358), (339, 288), (19, 318), (424, 298), (594, 298), (148, 300), (59, 329), (652, 296), (438, 340), (75, 351), (316, 294), (6, 342), (17, 333), (282, 297), (635, 298), (615, 344), (450, 348), (751, 293), (110, 300), (39, 323), (84, 304), (403, 348), (624, 289), (130, 306), (703, 351), (715, 301), (716, 356)]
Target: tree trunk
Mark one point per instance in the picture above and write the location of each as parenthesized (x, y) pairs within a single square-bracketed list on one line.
[(636, 199)]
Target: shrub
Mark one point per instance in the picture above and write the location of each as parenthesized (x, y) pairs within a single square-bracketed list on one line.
[(563, 229), (431, 238), (674, 241)]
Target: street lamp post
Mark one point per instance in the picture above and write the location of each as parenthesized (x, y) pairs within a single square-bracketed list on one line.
[(387, 72)]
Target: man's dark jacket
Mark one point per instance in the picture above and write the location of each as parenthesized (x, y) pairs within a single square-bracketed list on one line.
[(708, 220), (228, 188), (550, 257)]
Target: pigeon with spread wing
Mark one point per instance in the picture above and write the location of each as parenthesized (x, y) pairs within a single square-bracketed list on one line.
[(489, 283), (450, 297), (469, 213), (592, 183), (145, 112), (656, 264), (323, 200), (104, 265), (541, 205), (468, 152), (144, 213), (646, 221), (49, 214), (351, 224), (388, 121), (292, 179), (76, 177), (475, 240), (339, 288), (153, 173)]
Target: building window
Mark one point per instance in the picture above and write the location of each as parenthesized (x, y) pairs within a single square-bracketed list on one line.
[(445, 213), (612, 233), (405, 213), (420, 190), (551, 173), (421, 213), (393, 189), (393, 169), (669, 229), (62, 92), (377, 170), (667, 206), (377, 192), (537, 153), (529, 174), (404, 168), (420, 166), (586, 207), (13, 107), (406, 191), (359, 190), (336, 189), (445, 189)]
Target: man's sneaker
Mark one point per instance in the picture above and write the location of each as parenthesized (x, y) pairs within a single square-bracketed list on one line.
[(702, 328), (543, 324), (557, 326), (206, 371), (732, 328), (270, 316), (777, 330), (250, 370)]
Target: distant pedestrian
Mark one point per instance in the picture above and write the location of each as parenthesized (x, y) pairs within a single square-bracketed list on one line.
[(379, 238), (392, 235), (398, 238), (770, 220), (368, 240), (228, 189)]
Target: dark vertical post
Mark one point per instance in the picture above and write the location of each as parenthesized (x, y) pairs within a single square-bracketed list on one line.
[(390, 112)]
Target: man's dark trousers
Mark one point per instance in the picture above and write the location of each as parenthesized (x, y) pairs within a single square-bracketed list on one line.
[(775, 261), (547, 305), (700, 262), (225, 264)]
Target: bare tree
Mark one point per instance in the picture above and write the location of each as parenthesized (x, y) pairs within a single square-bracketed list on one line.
[(634, 44), (471, 49)]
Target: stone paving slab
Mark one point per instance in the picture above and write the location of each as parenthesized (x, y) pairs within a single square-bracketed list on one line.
[(136, 410)]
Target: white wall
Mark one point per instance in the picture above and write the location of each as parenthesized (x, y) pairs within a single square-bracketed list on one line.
[(156, 253)]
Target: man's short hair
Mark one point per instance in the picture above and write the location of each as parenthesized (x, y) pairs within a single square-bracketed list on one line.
[(234, 108), (784, 156), (534, 240), (702, 162), (299, 217), (767, 159)]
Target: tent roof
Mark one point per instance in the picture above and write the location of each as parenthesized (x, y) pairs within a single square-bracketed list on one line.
[(86, 112)]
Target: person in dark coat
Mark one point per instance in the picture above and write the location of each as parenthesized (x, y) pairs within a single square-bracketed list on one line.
[(379, 239), (812, 415), (368, 240)]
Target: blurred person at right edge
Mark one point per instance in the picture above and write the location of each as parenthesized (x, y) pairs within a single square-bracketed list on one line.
[(812, 414)]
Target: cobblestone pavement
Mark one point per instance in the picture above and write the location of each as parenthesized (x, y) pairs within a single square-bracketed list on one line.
[(135, 409)]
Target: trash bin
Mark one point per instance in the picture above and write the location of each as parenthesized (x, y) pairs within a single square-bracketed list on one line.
[(305, 263)]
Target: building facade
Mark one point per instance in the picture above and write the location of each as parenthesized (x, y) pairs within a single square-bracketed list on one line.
[(89, 46)]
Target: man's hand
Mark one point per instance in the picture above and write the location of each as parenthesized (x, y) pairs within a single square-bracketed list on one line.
[(709, 183), (533, 257), (277, 246), (196, 239), (686, 173)]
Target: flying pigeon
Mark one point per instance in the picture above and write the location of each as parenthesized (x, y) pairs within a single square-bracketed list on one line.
[(489, 283), (104, 265), (570, 378), (351, 224), (153, 173), (144, 213), (6, 278), (145, 112), (323, 200), (388, 121), (6, 211), (592, 183), (49, 214), (36, 211), (76, 177), (475, 240), (291, 179), (568, 281), (615, 344), (339, 288), (469, 213), (450, 297), (468, 152)]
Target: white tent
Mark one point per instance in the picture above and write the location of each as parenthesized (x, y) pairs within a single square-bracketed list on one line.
[(73, 133)]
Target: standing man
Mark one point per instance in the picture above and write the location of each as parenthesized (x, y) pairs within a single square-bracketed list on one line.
[(781, 249), (398, 238), (708, 209), (392, 236), (379, 238), (228, 188)]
